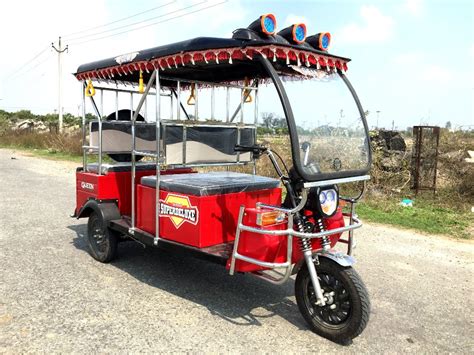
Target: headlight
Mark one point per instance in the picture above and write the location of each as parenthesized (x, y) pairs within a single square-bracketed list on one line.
[(328, 201)]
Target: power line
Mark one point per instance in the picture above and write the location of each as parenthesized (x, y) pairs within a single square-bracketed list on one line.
[(119, 20), (26, 63), (151, 24), (138, 22), (33, 67)]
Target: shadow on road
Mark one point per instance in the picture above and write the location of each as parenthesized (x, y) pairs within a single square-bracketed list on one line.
[(240, 299)]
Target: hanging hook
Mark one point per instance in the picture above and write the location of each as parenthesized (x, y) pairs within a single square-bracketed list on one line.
[(141, 85), (192, 97), (90, 90), (247, 92)]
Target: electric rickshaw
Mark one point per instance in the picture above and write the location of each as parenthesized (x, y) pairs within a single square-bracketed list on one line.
[(167, 164)]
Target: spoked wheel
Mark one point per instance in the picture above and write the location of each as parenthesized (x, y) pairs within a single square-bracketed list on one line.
[(101, 239), (347, 309)]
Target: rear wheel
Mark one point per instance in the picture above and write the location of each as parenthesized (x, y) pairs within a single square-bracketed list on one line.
[(102, 240), (346, 312)]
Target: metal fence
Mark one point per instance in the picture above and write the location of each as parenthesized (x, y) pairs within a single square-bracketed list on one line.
[(425, 157)]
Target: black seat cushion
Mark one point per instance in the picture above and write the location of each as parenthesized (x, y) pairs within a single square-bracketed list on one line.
[(215, 183), (118, 167)]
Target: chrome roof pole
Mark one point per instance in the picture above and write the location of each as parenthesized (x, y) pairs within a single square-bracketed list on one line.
[(158, 156), (84, 154)]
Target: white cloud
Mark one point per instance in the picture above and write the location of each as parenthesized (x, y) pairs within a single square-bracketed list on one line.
[(413, 7), (415, 65), (375, 27), (292, 19), (437, 74)]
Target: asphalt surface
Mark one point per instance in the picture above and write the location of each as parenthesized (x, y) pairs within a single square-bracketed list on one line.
[(55, 298)]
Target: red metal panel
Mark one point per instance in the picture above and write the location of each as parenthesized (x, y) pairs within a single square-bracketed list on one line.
[(215, 217), (112, 186)]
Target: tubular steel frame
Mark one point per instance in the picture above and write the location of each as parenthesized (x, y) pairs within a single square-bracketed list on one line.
[(354, 223), (160, 154), (160, 158)]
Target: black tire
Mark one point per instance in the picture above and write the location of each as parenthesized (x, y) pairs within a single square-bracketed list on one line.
[(351, 299), (123, 115), (102, 241)]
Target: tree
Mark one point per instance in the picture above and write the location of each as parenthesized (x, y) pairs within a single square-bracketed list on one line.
[(23, 115), (267, 119), (448, 125)]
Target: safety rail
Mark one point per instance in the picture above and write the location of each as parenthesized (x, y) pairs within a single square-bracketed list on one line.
[(289, 232), (356, 224), (146, 154)]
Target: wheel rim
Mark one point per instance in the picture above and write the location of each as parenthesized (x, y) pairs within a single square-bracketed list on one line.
[(337, 312), (98, 239)]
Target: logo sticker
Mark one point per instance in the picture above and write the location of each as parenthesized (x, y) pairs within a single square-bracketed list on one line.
[(126, 58), (87, 185), (179, 210)]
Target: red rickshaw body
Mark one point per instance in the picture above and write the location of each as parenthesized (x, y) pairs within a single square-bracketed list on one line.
[(184, 195)]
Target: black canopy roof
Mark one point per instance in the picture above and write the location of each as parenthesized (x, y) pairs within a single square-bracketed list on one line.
[(209, 59)]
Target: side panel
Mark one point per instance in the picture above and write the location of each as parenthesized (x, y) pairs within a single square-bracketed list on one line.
[(206, 221), (112, 186), (87, 186)]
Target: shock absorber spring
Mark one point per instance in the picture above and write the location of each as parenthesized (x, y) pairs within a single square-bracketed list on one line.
[(325, 241), (305, 243)]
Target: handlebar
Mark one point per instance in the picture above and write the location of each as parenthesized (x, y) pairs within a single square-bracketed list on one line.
[(257, 150)]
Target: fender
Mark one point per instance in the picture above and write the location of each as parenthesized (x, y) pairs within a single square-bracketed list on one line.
[(336, 256), (108, 210)]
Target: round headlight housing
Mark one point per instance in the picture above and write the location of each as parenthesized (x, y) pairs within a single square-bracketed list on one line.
[(328, 198)]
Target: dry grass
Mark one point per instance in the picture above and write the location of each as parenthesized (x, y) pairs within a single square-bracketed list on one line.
[(447, 212), (69, 143), (454, 174)]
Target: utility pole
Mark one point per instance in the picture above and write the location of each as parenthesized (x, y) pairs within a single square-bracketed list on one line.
[(378, 113), (341, 116), (60, 50)]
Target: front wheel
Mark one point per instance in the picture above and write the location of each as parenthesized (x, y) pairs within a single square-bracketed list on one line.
[(347, 309)]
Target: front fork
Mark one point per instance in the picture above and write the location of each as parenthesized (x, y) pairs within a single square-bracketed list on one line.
[(305, 243), (308, 257), (307, 250)]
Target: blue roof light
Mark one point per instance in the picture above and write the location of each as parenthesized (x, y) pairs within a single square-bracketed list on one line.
[(268, 24), (324, 41), (299, 33)]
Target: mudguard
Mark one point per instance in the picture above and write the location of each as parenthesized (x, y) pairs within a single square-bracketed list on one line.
[(340, 258), (108, 210), (336, 256)]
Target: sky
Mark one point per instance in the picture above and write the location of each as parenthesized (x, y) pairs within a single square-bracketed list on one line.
[(412, 60)]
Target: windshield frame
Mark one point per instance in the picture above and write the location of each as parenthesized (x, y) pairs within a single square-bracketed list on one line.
[(295, 144)]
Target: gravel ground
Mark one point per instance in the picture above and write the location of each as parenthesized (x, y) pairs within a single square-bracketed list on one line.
[(55, 298)]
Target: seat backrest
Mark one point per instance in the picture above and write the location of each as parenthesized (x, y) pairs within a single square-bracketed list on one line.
[(181, 143)]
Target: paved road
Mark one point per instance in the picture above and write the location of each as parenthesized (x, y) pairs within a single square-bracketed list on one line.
[(55, 297)]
